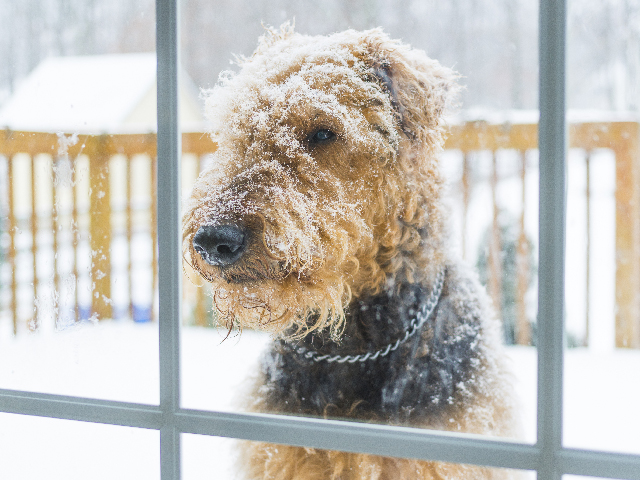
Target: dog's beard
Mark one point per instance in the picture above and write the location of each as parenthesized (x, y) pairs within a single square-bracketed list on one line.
[(280, 307), (300, 263), (290, 282)]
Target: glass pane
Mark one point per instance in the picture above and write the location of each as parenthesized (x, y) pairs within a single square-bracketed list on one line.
[(602, 371), (34, 447), (319, 204), (228, 459), (77, 166)]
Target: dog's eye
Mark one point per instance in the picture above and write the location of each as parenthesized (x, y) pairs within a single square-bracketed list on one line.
[(322, 136)]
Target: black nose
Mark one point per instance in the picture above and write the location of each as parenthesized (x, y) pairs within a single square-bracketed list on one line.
[(220, 245)]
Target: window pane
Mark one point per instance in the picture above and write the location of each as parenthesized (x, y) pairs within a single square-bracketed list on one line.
[(225, 459), (34, 447), (77, 195), (313, 205), (603, 228)]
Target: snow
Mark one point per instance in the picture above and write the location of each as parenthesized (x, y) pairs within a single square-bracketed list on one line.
[(118, 360)]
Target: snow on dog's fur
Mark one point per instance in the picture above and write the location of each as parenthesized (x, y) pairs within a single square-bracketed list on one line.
[(321, 221)]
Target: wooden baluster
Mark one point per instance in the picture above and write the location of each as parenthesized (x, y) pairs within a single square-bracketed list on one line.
[(13, 228), (495, 257), (588, 259), (55, 165), (129, 226), (523, 330), (100, 229), (154, 232), (466, 191), (75, 232), (34, 323)]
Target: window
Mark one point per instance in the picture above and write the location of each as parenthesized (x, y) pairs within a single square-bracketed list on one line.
[(548, 456)]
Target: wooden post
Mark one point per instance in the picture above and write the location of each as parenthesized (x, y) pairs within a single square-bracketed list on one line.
[(100, 230), (627, 149)]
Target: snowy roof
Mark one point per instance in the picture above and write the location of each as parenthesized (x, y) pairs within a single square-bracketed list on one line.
[(86, 94)]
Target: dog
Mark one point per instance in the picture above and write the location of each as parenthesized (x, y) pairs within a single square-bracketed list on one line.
[(322, 222)]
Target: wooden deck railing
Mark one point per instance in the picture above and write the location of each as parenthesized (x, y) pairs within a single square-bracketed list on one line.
[(80, 222)]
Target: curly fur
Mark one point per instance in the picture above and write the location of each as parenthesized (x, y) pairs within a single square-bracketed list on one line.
[(329, 232), (279, 462), (346, 239)]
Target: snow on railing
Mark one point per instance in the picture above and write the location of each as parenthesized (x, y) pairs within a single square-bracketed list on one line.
[(586, 139), (87, 251)]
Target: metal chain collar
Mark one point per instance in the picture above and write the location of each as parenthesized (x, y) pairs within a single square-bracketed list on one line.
[(426, 310)]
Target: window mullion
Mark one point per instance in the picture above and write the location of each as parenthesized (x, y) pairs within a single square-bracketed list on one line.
[(374, 439), (80, 409), (552, 147), (169, 248), (600, 464)]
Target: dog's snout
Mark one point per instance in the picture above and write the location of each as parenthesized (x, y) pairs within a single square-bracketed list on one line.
[(220, 245)]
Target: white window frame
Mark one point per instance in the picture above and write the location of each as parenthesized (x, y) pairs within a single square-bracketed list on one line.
[(548, 457)]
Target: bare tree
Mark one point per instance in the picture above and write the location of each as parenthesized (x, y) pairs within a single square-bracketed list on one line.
[(492, 43)]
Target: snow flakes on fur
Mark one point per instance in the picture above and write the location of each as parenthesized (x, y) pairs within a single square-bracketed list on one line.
[(336, 220)]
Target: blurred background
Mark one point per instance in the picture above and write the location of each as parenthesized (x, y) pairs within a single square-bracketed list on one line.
[(78, 220), (87, 66), (492, 43)]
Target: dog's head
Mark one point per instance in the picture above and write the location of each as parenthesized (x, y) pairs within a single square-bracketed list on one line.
[(325, 183)]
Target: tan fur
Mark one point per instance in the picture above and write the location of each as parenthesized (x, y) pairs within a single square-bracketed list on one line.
[(337, 221), (341, 240), (281, 462)]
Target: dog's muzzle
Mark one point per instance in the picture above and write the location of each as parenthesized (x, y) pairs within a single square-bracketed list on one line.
[(220, 245)]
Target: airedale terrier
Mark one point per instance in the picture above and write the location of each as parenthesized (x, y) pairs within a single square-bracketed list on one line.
[(322, 221)]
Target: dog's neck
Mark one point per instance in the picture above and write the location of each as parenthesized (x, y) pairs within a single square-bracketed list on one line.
[(376, 324)]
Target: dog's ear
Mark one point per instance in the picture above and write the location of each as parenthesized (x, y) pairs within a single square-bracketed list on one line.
[(421, 90), (382, 73)]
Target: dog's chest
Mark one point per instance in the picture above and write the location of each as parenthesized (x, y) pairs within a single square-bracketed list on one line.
[(421, 378)]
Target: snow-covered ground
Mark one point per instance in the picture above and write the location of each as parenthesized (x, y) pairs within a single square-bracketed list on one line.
[(119, 361)]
